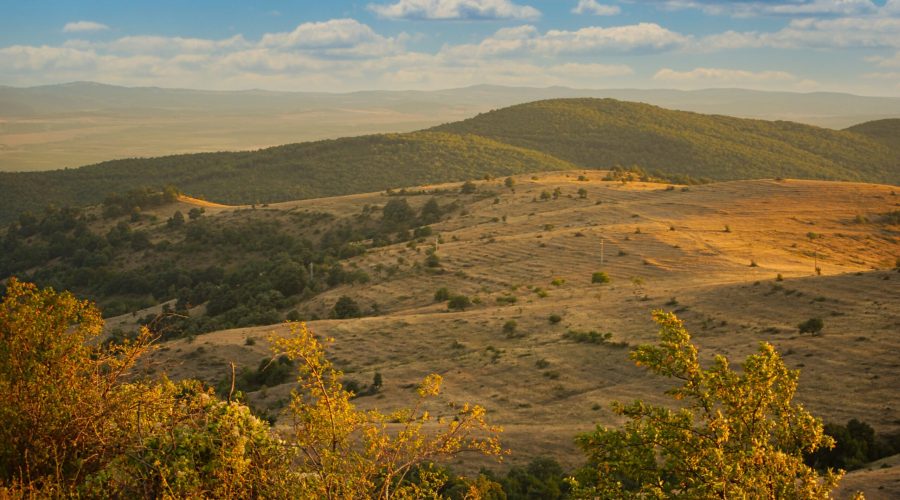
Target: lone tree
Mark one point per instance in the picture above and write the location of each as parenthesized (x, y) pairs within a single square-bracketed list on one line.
[(345, 307), (812, 325), (735, 434)]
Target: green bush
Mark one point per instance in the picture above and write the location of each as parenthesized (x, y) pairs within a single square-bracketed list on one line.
[(441, 294), (812, 325), (458, 303), (555, 318), (345, 307), (600, 277)]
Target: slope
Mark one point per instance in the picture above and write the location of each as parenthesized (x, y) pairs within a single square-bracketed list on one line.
[(306, 170), (599, 133), (886, 132), (526, 261)]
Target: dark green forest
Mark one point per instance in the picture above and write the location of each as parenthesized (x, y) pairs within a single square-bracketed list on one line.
[(542, 136)]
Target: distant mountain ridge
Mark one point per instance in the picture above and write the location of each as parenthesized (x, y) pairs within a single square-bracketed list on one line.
[(541, 136)]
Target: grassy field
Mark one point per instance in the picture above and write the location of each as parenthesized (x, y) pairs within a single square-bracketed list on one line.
[(711, 253)]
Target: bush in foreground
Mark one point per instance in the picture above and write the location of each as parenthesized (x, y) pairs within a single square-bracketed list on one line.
[(735, 434)]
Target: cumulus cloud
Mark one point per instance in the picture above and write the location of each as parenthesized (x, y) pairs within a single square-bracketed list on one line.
[(749, 8), (595, 8), (84, 26), (455, 9), (340, 54), (722, 77), (528, 40), (844, 32), (886, 62)]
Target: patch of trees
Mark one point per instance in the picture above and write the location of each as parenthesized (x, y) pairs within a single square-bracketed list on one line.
[(856, 444), (135, 200)]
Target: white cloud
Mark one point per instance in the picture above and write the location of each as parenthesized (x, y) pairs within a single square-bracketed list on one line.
[(528, 41), (336, 55), (719, 75), (595, 8), (892, 75), (84, 26), (745, 8), (843, 32), (455, 9), (722, 77), (886, 62)]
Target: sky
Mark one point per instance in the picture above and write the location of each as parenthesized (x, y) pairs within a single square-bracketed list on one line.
[(343, 45)]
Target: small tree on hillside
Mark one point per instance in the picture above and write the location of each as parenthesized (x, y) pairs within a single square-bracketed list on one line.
[(735, 434), (468, 187), (345, 307), (812, 325)]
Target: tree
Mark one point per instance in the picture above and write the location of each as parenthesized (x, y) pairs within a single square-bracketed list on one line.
[(736, 434), (431, 212), (176, 221), (76, 423), (345, 307), (468, 187), (812, 325), (349, 453), (458, 303), (509, 182), (599, 277)]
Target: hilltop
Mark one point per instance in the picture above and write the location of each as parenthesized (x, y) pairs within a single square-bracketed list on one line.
[(886, 132), (541, 136), (599, 133)]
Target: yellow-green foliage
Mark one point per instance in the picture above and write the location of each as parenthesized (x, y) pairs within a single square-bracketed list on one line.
[(735, 434), (349, 453), (73, 424)]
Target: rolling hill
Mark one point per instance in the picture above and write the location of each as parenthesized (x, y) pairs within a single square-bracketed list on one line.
[(886, 132), (540, 136), (599, 133), (306, 170)]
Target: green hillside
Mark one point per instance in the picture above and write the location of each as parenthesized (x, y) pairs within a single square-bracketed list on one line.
[(296, 171), (598, 133), (886, 132), (545, 135)]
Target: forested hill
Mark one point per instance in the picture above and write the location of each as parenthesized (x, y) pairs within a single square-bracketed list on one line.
[(545, 135), (295, 171), (886, 132), (597, 133)]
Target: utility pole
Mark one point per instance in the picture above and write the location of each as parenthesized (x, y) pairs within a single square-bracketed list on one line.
[(601, 250)]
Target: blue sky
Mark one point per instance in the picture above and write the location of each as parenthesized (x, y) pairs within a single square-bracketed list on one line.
[(340, 45)]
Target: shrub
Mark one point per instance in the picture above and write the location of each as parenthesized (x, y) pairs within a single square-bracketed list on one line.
[(459, 303), (345, 307), (441, 294), (599, 277), (468, 187), (732, 433), (555, 318), (812, 325), (509, 328)]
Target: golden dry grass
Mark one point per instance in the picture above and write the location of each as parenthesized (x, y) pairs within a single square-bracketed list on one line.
[(673, 241)]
